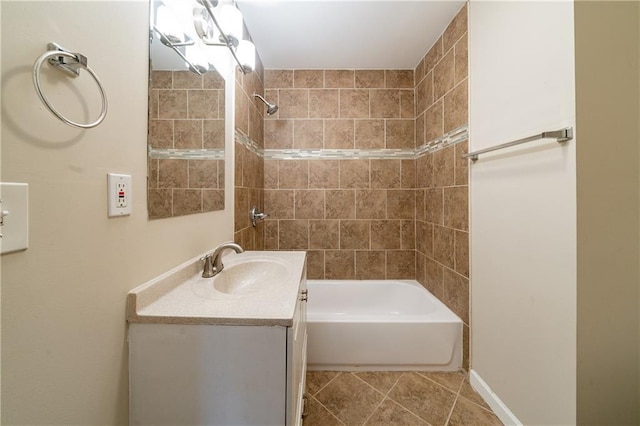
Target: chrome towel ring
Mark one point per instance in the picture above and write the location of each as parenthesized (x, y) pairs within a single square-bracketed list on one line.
[(71, 63)]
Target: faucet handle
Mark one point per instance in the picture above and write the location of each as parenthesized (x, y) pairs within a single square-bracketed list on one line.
[(207, 270), (256, 216)]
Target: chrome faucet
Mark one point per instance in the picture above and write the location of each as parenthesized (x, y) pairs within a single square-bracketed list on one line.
[(213, 262)]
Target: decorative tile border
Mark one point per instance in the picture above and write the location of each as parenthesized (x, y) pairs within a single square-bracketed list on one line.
[(186, 154), (455, 136)]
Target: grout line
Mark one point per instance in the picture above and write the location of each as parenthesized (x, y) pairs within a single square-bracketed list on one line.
[(455, 401), (328, 411)]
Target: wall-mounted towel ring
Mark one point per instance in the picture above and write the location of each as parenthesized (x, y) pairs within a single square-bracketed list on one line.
[(70, 63)]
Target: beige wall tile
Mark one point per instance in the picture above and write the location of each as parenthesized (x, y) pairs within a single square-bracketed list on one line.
[(424, 171), (340, 204), (385, 235), (212, 200), (186, 80), (370, 264), (434, 274), (385, 174), (270, 173), (370, 79), (371, 204), (418, 72), (324, 234), (354, 234), (354, 103), (308, 78), (420, 130), (443, 169), (315, 264), (420, 269), (271, 234), (339, 264), (443, 75), (278, 134), (241, 208), (399, 79), (401, 203), (354, 174), (456, 207), (278, 203), (241, 111), (401, 264), (278, 79), (456, 29), (385, 103), (213, 80), (461, 164), (324, 103), (339, 79), (203, 103), (456, 294), (456, 110), (434, 206), (172, 174), (407, 104), (408, 234), (462, 253), (433, 56), (339, 134), (172, 104), (434, 121), (160, 203), (408, 174), (309, 204), (424, 93), (293, 234), (293, 174), (308, 134), (213, 134), (400, 134), (369, 134), (203, 174), (420, 205), (256, 126), (324, 174), (294, 103), (188, 134), (161, 79), (443, 245), (461, 59), (186, 201), (161, 133)]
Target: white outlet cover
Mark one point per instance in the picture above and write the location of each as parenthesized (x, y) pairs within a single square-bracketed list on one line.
[(118, 205), (15, 228)]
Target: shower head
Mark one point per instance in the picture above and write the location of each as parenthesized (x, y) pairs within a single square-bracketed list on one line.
[(271, 108)]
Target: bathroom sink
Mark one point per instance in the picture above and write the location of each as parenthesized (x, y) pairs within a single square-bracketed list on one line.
[(250, 277)]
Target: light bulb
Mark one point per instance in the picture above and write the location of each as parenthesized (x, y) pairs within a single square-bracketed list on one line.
[(231, 23), (246, 53), (197, 57), (168, 24)]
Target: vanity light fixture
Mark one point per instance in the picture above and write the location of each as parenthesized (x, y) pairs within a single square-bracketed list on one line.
[(229, 29)]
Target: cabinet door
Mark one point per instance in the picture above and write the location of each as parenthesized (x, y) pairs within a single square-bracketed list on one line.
[(297, 359), (207, 375)]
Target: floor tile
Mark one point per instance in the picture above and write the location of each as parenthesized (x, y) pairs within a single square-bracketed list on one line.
[(467, 392), (429, 400), (390, 413), (450, 380), (317, 415), (316, 380), (381, 380), (350, 399), (466, 413)]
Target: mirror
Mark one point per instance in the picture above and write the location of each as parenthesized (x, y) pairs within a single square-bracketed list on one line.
[(186, 134)]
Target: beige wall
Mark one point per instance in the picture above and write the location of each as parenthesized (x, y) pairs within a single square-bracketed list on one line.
[(523, 208), (607, 98), (64, 352)]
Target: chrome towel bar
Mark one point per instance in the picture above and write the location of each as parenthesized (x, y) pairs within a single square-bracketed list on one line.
[(561, 135)]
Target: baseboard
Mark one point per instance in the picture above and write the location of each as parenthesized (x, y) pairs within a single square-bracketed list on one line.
[(504, 414)]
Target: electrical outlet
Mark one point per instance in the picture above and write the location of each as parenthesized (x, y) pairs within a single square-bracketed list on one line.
[(119, 194)]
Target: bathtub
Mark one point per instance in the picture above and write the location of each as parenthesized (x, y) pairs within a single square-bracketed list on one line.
[(378, 325)]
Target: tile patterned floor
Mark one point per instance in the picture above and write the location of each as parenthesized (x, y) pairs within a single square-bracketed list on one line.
[(394, 399)]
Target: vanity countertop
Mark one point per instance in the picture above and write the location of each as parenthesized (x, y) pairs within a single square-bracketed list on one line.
[(182, 296)]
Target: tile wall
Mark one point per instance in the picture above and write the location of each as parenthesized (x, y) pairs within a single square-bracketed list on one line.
[(442, 223), (355, 217), (249, 163), (186, 112), (364, 216)]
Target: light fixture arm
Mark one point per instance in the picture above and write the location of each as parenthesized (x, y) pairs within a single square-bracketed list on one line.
[(174, 46), (227, 42)]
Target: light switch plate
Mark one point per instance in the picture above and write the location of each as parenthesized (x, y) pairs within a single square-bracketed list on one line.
[(15, 223)]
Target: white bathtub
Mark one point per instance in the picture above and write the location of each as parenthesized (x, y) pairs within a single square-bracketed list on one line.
[(380, 325)]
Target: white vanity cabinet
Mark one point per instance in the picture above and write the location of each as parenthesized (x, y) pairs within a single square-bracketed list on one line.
[(218, 371)]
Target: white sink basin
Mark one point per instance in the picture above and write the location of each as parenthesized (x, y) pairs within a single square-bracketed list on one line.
[(250, 277)]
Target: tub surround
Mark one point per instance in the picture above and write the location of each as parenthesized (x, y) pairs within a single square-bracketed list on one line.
[(182, 296)]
